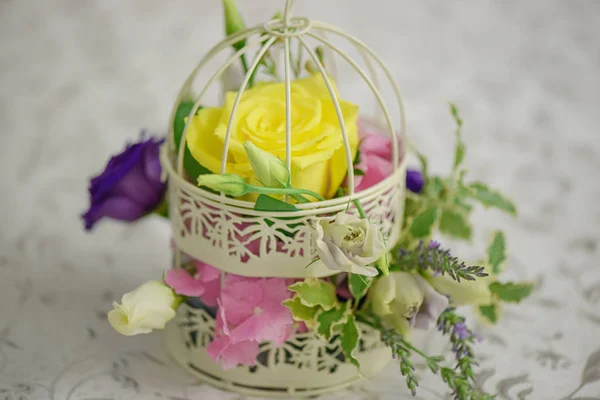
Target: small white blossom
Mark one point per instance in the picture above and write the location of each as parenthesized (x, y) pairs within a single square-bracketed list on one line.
[(349, 244)]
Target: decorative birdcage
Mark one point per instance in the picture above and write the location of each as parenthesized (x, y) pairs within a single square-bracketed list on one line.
[(231, 235)]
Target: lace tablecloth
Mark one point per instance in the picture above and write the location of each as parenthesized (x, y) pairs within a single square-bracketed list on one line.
[(79, 78)]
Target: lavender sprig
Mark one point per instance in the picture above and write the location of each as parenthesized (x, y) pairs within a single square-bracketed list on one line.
[(402, 352), (460, 378), (437, 259)]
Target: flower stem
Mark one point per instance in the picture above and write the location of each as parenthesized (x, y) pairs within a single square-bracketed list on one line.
[(290, 191), (361, 210), (299, 198)]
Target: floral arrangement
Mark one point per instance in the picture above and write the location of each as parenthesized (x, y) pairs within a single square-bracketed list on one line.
[(418, 285)]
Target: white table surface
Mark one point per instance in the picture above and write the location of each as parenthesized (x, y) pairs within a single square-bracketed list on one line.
[(78, 78)]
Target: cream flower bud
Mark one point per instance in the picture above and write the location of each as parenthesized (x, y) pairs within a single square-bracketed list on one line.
[(475, 292), (405, 301), (148, 307), (268, 168), (230, 184)]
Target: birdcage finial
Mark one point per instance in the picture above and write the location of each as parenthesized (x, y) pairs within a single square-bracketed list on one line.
[(287, 12)]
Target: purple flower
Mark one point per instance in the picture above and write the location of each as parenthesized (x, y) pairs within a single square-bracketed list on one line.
[(461, 331), (414, 180), (130, 186)]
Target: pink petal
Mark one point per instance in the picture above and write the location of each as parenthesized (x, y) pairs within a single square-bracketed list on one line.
[(183, 283), (221, 326), (207, 272), (240, 300), (377, 144), (212, 290), (302, 328), (377, 170), (275, 291), (268, 326)]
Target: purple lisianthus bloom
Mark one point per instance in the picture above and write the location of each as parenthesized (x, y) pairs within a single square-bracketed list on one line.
[(414, 180), (130, 186)]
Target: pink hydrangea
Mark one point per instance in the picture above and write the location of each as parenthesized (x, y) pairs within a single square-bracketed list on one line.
[(227, 353), (205, 283), (250, 312)]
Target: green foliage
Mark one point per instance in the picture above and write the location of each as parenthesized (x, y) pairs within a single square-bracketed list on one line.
[(359, 285), (328, 320), (489, 312), (511, 292), (459, 152), (300, 312), (423, 223), (191, 166), (491, 198), (350, 337), (268, 203), (316, 292), (447, 202), (496, 252), (455, 224)]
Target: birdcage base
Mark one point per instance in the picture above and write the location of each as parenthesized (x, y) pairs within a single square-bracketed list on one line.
[(303, 366)]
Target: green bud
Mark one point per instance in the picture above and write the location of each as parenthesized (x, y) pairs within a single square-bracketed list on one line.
[(320, 52), (230, 184), (310, 67), (384, 264), (269, 169), (233, 21)]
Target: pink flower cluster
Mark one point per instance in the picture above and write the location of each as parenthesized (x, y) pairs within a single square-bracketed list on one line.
[(250, 311)]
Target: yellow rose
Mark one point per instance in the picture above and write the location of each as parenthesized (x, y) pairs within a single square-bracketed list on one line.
[(318, 152)]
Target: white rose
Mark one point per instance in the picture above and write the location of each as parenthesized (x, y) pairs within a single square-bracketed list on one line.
[(349, 244), (148, 307)]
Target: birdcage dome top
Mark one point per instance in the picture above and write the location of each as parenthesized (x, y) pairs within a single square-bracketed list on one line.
[(282, 30)]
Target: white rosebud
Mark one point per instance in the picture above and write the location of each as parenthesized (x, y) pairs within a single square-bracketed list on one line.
[(268, 168), (349, 244), (148, 307)]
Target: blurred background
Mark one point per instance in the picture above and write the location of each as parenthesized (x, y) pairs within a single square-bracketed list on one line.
[(80, 78)]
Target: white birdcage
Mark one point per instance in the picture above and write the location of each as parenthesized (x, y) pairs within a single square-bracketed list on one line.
[(216, 229)]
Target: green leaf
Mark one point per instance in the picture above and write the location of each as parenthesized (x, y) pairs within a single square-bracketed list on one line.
[(268, 203), (435, 186), (424, 163), (358, 172), (497, 251), (455, 224), (358, 285), (422, 225), (489, 312), (492, 198), (316, 292), (300, 312), (349, 340), (191, 166), (511, 292), (327, 320), (459, 153)]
